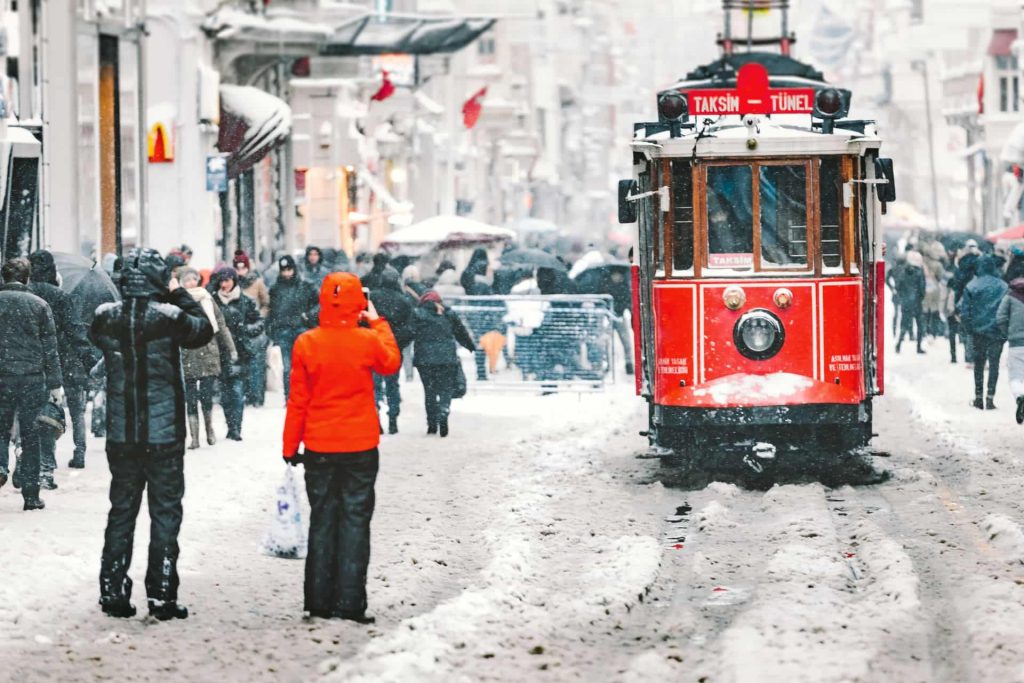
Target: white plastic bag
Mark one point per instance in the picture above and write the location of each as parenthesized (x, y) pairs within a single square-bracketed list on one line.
[(287, 535)]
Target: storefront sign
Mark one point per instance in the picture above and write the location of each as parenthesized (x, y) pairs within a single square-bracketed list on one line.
[(216, 174), (751, 96)]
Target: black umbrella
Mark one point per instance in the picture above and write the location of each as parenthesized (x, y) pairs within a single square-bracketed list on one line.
[(595, 279), (531, 257), (86, 282)]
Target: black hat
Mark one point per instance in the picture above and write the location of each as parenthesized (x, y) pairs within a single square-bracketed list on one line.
[(144, 273), (286, 261)]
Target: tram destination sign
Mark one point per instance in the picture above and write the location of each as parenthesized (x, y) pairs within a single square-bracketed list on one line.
[(752, 95)]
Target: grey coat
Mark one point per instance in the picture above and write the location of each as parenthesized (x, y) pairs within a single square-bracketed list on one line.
[(205, 361), (1010, 318), (141, 339)]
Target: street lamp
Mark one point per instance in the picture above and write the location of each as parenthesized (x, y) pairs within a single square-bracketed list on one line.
[(921, 66)]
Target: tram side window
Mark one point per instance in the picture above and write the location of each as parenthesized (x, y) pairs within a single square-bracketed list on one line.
[(831, 190), (783, 194), (682, 218), (730, 217)]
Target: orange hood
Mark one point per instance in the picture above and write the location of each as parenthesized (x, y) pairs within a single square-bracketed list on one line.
[(341, 300)]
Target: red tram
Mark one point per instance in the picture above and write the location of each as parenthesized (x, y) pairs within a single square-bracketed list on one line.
[(758, 273)]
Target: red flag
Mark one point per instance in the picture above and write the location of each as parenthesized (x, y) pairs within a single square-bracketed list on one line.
[(472, 107), (387, 88)]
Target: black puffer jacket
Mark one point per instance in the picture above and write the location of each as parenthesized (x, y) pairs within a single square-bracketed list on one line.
[(435, 335), (77, 355), (28, 337), (395, 306), (141, 338), (293, 307)]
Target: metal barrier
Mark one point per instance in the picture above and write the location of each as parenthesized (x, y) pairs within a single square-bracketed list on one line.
[(535, 342)]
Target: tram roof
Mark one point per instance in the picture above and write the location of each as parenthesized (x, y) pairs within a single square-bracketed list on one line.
[(785, 135)]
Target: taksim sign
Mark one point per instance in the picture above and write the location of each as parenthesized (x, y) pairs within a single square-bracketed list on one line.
[(751, 96)]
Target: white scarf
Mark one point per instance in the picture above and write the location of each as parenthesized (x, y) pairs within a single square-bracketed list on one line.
[(233, 295), (206, 301)]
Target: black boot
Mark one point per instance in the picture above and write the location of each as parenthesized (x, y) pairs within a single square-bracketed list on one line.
[(77, 462), (3, 478), (444, 426), (431, 428), (357, 617), (46, 481), (629, 368), (1020, 411), (167, 610), (978, 403), (990, 404), (32, 499), (392, 425), (117, 607)]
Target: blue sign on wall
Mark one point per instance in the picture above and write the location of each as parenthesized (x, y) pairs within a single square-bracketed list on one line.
[(216, 174)]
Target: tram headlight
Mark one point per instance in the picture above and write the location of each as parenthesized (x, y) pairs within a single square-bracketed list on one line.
[(734, 297), (672, 106), (759, 334), (783, 297)]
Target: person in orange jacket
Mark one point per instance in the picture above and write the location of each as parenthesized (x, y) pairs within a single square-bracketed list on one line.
[(332, 411)]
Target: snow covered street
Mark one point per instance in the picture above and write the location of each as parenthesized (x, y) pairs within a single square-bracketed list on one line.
[(534, 544)]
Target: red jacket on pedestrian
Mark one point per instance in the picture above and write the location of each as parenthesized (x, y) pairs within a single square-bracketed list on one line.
[(331, 407)]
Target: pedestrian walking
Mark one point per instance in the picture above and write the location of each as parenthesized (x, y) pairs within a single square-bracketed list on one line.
[(381, 265), (293, 304), (436, 331), (255, 372), (910, 287), (246, 326), (141, 338), (314, 269), (966, 267), (77, 356), (1010, 318), (395, 306), (331, 412), (29, 373), (979, 307), (202, 366)]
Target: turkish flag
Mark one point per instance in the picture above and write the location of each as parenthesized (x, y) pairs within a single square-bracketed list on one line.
[(472, 107), (387, 88)]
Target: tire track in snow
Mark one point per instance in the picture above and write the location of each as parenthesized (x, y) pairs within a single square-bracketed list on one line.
[(556, 568)]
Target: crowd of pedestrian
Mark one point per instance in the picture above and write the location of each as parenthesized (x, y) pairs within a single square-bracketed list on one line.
[(973, 299), (181, 339)]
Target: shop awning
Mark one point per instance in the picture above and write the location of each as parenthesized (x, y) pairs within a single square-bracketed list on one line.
[(365, 33), (407, 34), (1001, 44), (252, 124)]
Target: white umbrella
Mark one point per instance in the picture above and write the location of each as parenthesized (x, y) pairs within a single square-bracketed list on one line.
[(448, 230)]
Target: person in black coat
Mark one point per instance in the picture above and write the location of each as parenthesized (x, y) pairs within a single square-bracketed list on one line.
[(77, 357), (29, 368), (243, 320), (141, 338), (910, 286), (375, 278), (395, 306), (293, 310), (435, 332)]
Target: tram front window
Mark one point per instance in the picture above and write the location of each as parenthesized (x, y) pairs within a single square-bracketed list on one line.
[(730, 217), (783, 194)]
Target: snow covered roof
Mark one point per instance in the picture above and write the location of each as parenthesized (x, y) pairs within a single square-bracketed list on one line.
[(252, 123)]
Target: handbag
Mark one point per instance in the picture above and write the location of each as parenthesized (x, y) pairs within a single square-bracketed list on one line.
[(460, 382)]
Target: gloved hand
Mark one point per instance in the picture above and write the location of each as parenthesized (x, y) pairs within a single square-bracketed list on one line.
[(295, 459), (57, 396)]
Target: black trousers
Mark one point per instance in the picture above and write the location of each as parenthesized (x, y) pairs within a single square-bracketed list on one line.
[(199, 392), (341, 498), (163, 477), (908, 321), (388, 387), (438, 387), (990, 350), (24, 396), (48, 443)]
